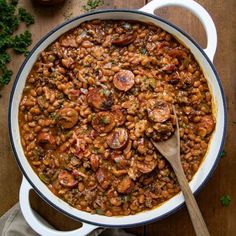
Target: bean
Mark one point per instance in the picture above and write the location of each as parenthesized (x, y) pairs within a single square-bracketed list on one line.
[(81, 187), (141, 199), (86, 44)]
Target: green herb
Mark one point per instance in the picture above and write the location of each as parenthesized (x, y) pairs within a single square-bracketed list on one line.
[(92, 5), (104, 120), (153, 83), (104, 92), (44, 178), (26, 17), (234, 122), (93, 116), (95, 150), (53, 115), (104, 194), (125, 198), (10, 19), (149, 82), (99, 211), (68, 134), (5, 76), (143, 51), (223, 153), (225, 200), (21, 42)]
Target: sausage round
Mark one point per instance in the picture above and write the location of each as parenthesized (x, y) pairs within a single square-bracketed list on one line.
[(100, 99), (124, 80), (47, 140), (160, 112), (103, 122), (68, 117), (118, 138), (124, 39), (66, 179)]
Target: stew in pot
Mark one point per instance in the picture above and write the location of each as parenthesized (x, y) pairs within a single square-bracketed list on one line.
[(91, 102)]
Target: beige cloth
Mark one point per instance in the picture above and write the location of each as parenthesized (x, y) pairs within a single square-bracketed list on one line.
[(12, 223)]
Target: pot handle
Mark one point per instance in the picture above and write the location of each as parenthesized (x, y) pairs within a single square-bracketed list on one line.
[(197, 10), (39, 225)]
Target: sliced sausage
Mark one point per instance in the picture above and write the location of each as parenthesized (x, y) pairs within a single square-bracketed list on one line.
[(77, 173), (206, 125), (73, 94), (147, 166), (159, 112), (119, 116), (47, 140), (100, 99), (126, 185), (119, 159), (67, 117), (124, 39), (103, 178), (118, 138), (67, 180), (177, 52), (124, 80), (103, 122)]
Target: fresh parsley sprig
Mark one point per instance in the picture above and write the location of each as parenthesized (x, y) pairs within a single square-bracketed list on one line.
[(92, 5), (10, 18), (225, 200)]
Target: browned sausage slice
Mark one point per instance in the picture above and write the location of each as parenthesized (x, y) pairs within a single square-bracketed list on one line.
[(124, 39), (100, 98), (124, 80), (119, 159), (118, 138), (160, 112), (67, 117), (67, 180), (119, 115), (103, 122), (126, 185), (103, 178), (206, 125), (177, 52), (147, 166), (47, 140)]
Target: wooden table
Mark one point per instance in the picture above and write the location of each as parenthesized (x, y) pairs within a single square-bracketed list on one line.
[(220, 220)]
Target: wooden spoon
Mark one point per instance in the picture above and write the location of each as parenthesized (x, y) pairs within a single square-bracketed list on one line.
[(170, 149)]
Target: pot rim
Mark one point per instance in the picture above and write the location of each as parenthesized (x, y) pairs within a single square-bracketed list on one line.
[(29, 57)]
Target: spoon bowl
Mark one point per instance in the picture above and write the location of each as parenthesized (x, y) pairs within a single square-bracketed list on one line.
[(170, 149)]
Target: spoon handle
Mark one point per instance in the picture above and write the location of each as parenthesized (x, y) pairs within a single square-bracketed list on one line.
[(193, 209)]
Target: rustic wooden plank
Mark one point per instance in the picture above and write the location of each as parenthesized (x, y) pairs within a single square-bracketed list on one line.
[(220, 219)]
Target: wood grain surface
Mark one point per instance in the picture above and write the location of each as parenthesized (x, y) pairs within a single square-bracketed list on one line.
[(220, 220)]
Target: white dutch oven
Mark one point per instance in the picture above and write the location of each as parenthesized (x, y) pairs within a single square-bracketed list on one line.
[(93, 221)]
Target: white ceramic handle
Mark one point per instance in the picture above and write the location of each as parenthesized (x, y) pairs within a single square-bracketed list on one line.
[(197, 10), (37, 224)]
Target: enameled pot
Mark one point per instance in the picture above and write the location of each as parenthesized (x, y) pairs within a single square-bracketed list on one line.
[(203, 56)]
